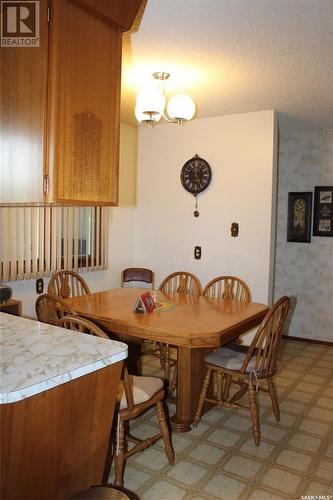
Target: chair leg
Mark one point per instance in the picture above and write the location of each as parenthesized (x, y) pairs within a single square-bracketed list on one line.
[(275, 404), (165, 432), (227, 384), (120, 454), (162, 356), (254, 413), (219, 392), (203, 395), (239, 393), (173, 383), (165, 363)]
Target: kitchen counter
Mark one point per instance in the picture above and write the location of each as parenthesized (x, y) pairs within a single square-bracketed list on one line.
[(58, 393), (36, 356)]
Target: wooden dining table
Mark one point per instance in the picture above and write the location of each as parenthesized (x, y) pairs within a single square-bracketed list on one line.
[(195, 325)]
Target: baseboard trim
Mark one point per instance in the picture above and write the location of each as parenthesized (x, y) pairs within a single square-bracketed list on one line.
[(312, 341)]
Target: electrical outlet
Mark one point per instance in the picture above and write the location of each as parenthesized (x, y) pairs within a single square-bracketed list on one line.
[(39, 285), (234, 229), (197, 253)]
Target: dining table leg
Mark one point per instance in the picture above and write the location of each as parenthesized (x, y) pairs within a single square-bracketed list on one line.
[(191, 372)]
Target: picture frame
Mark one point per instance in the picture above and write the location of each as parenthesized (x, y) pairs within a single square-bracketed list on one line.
[(299, 217), (323, 211)]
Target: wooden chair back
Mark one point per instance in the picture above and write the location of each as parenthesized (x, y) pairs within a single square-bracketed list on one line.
[(138, 274), (265, 344), (228, 287), (132, 410), (66, 284), (50, 309), (181, 282), (82, 325)]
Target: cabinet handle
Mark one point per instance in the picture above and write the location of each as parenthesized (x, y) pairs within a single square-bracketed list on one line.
[(46, 184), (49, 15)]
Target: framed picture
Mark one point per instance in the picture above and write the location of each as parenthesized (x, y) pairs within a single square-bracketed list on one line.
[(323, 211), (299, 217)]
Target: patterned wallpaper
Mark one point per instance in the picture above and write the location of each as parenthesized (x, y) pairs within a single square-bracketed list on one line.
[(305, 270)]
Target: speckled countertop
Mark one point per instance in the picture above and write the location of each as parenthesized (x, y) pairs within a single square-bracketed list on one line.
[(35, 357)]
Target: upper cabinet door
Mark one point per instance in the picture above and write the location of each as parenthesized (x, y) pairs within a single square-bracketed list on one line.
[(84, 97), (23, 98)]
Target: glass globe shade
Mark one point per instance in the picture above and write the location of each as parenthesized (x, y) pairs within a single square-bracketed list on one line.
[(150, 101), (181, 107), (146, 117)]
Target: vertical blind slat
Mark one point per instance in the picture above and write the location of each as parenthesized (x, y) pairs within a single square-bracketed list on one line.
[(34, 242), (27, 257), (12, 242), (20, 243), (76, 239), (54, 238), (98, 235), (93, 254), (102, 238), (88, 214), (69, 264), (57, 225), (47, 247), (64, 235), (41, 242)]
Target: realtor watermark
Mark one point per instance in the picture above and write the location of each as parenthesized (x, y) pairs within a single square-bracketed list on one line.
[(19, 23), (316, 497)]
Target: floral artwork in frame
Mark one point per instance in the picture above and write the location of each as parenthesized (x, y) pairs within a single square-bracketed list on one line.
[(299, 217), (323, 211)]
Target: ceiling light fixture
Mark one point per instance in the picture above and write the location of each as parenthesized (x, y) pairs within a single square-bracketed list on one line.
[(151, 104)]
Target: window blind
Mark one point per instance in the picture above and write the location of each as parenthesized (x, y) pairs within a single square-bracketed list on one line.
[(36, 241)]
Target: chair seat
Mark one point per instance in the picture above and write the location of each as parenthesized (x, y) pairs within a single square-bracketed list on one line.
[(230, 357), (143, 389)]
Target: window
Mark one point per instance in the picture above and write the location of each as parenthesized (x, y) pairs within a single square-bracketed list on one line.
[(36, 241)]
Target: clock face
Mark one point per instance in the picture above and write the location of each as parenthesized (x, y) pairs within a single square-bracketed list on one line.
[(196, 175)]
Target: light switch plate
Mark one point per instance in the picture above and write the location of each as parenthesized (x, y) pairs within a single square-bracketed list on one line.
[(197, 252)]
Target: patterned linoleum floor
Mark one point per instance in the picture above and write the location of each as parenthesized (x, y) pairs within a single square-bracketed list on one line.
[(218, 459)]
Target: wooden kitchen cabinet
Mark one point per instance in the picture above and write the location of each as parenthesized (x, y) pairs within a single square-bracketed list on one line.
[(61, 102), (57, 403), (23, 117)]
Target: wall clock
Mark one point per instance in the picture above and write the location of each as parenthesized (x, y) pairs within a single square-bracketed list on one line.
[(195, 177)]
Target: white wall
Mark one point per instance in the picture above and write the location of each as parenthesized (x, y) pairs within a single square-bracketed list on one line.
[(241, 151), (305, 270)]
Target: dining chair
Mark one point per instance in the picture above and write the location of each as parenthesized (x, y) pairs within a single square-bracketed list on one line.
[(66, 284), (49, 309), (178, 282), (137, 275), (181, 282), (228, 287), (136, 394), (248, 366), (233, 288)]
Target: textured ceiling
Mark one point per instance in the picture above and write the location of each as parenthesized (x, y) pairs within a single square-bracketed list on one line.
[(235, 56)]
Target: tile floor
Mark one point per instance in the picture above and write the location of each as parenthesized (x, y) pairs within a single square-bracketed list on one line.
[(218, 459)]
